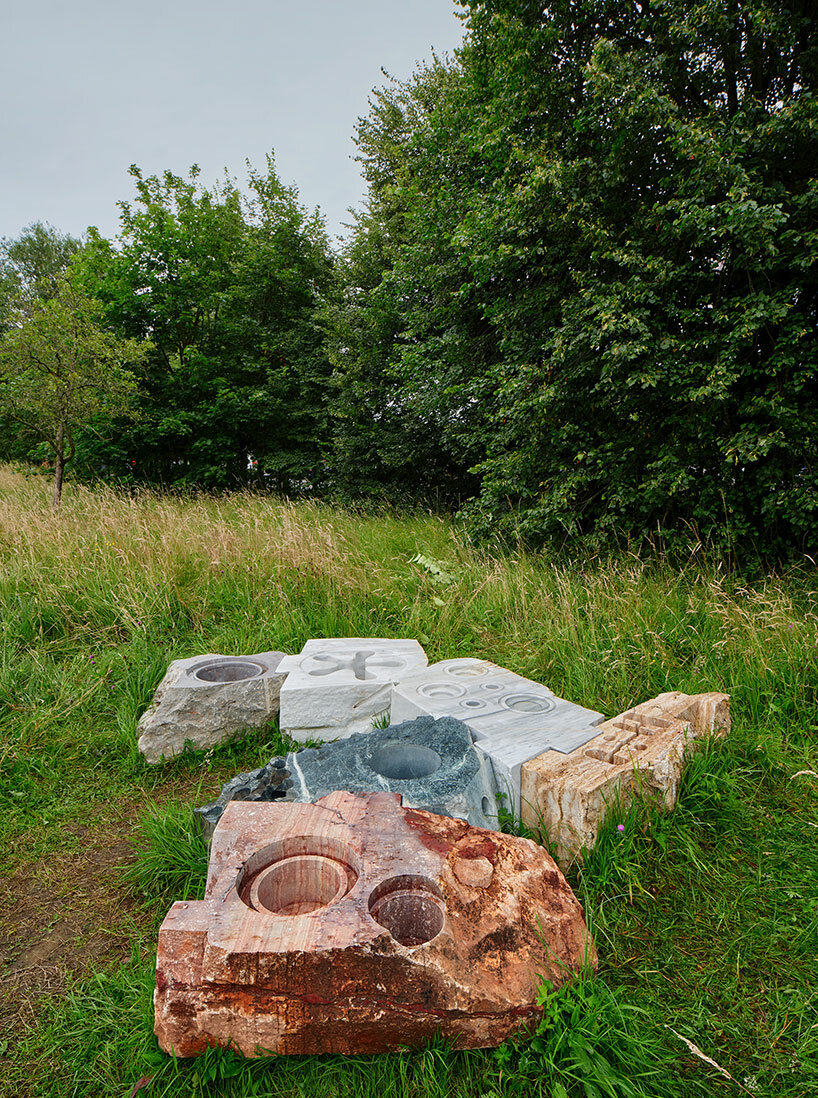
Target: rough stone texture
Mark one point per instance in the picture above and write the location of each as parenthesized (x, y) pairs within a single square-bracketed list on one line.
[(194, 704), (335, 687), (268, 783), (640, 751), (512, 719), (355, 925), (326, 732), (431, 763)]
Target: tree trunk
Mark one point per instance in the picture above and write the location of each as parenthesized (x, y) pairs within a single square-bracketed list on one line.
[(730, 58), (59, 466)]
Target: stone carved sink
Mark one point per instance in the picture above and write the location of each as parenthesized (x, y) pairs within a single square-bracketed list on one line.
[(357, 925), (512, 719), (431, 763), (207, 699), (336, 685), (228, 670)]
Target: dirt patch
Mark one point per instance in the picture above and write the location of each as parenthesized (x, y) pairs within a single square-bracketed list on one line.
[(63, 917), (69, 913)]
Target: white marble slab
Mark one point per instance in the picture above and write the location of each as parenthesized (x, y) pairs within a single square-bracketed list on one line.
[(511, 718), (336, 686), (508, 753)]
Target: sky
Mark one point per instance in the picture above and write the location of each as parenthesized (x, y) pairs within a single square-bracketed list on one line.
[(93, 86)]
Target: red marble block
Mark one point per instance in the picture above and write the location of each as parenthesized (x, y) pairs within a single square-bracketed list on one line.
[(356, 925)]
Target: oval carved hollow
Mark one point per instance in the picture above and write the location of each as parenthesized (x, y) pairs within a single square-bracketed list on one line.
[(229, 671), (405, 761), (299, 885), (410, 907), (297, 876)]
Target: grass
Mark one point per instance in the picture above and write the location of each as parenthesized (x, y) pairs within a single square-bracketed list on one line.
[(705, 918)]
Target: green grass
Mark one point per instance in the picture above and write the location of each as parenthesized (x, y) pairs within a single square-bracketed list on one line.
[(706, 919)]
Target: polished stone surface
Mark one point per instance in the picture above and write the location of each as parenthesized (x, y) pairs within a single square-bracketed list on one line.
[(512, 719), (431, 763), (337, 686)]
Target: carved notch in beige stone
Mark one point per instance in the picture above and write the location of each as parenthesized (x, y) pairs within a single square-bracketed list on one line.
[(357, 925), (641, 750)]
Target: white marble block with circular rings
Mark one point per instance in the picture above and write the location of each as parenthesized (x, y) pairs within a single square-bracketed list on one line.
[(336, 686), (511, 718)]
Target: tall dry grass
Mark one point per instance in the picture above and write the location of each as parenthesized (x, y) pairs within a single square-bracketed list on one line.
[(166, 577)]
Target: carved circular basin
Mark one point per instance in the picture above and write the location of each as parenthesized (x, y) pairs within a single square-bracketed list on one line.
[(229, 671), (441, 690), (297, 875), (405, 761), (527, 703), (299, 885), (410, 907), (466, 670)]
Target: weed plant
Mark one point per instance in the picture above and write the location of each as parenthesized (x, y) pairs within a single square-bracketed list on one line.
[(706, 918)]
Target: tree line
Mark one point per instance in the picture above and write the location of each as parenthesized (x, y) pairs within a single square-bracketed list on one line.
[(578, 303)]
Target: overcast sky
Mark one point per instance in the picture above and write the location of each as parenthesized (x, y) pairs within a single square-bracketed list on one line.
[(92, 86)]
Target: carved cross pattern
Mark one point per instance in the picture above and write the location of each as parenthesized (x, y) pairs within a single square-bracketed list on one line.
[(355, 662)]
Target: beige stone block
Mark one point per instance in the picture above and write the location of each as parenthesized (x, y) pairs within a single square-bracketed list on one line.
[(641, 751)]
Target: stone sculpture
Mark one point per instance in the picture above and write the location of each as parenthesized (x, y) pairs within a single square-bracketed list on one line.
[(356, 925), (431, 763), (267, 783), (206, 700), (640, 751), (512, 719), (338, 686)]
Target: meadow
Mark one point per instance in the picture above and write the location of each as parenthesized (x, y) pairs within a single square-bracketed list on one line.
[(706, 919)]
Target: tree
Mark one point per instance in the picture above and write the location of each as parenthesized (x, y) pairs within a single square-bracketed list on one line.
[(30, 266), (649, 232), (602, 269), (59, 368), (408, 406), (227, 286)]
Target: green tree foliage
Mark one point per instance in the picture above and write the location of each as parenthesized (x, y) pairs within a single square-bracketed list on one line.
[(406, 404), (60, 369), (226, 286), (604, 266), (31, 265), (30, 268)]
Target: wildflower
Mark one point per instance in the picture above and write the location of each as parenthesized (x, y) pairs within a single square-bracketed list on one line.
[(620, 827)]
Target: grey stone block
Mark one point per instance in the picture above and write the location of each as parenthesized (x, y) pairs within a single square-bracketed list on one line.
[(512, 719), (206, 699), (491, 700), (431, 763)]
